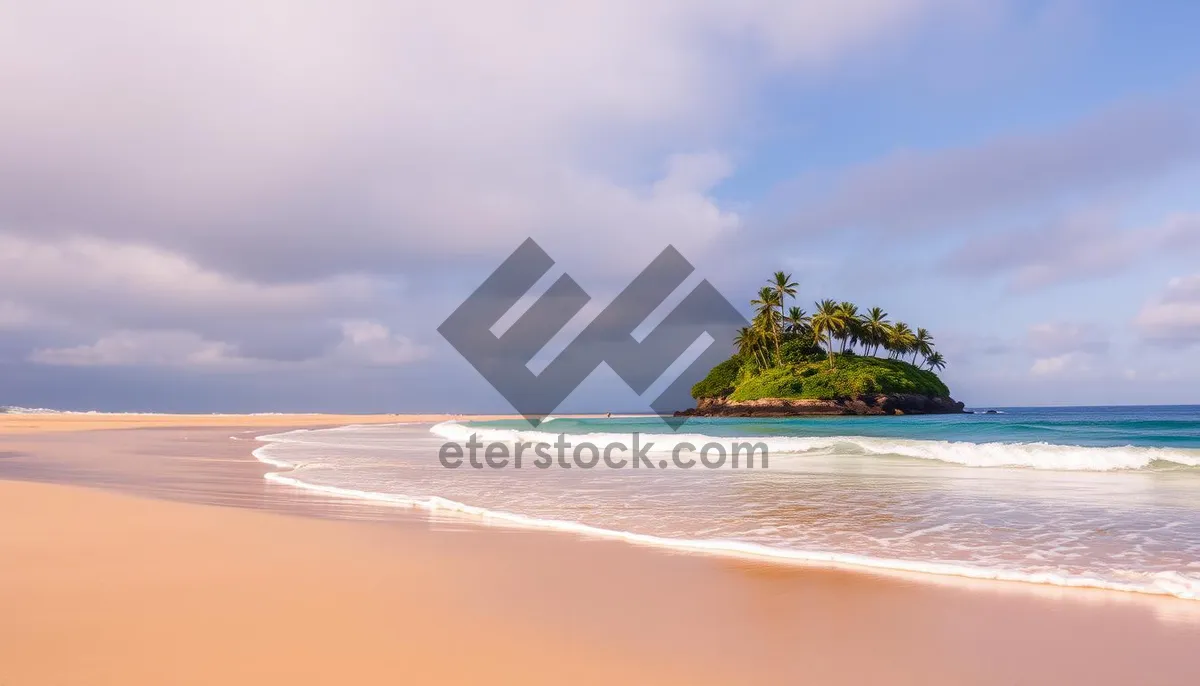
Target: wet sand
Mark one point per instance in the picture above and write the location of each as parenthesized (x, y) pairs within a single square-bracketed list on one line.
[(160, 555)]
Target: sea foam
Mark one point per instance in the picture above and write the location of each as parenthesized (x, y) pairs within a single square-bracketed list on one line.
[(1037, 455), (1166, 583)]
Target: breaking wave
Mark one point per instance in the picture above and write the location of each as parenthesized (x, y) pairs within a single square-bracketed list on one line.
[(1039, 455), (296, 473)]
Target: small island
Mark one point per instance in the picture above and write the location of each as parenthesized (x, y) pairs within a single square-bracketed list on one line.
[(836, 361)]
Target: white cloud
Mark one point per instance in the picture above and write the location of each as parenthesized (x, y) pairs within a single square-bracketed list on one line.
[(142, 348), (940, 190), (1173, 316), (183, 181), (372, 343), (88, 279), (363, 343), (1067, 349), (1078, 246), (360, 132), (1050, 339), (1072, 363)]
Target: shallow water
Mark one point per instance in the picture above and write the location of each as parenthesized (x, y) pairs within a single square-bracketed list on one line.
[(1103, 497)]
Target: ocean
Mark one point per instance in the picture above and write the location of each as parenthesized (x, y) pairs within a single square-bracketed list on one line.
[(1103, 497)]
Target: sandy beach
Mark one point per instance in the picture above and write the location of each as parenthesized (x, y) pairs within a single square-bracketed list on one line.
[(72, 421), (154, 552)]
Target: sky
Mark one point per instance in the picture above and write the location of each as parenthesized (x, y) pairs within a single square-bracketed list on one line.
[(272, 205)]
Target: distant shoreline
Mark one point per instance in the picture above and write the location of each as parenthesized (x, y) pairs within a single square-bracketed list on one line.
[(36, 422)]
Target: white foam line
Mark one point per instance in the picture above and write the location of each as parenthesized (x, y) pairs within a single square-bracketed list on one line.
[(1163, 584), (1030, 455)]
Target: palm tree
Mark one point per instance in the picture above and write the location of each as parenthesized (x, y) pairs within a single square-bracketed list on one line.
[(875, 328), (744, 341), (936, 361), (850, 330), (797, 320), (749, 342), (765, 313), (784, 286), (922, 344), (829, 320), (900, 340), (832, 321)]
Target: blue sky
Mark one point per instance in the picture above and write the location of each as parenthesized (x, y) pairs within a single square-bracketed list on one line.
[(208, 208)]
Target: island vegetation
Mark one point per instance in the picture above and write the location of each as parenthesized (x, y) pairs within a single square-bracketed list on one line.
[(835, 354)]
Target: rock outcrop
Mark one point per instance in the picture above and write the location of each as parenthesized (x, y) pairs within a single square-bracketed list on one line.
[(883, 404)]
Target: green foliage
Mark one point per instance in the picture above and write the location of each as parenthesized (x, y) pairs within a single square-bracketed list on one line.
[(776, 382), (720, 380), (853, 375), (832, 354), (796, 350)]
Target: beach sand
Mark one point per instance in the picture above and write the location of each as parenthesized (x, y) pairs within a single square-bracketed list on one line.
[(160, 556), (81, 421)]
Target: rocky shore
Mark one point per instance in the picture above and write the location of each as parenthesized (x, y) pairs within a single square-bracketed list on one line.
[(883, 404)]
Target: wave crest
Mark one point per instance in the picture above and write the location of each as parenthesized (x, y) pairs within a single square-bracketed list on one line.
[(1160, 583), (1038, 455)]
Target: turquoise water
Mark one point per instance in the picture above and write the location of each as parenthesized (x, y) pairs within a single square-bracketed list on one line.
[(1159, 426), (1100, 497)]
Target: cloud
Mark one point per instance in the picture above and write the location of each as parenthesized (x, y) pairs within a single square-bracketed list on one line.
[(1059, 338), (84, 287), (1182, 232), (374, 344), (133, 284), (938, 190), (1067, 364), (1083, 245), (1079, 246), (1172, 318), (142, 348), (367, 135), (1067, 349), (207, 186), (363, 343)]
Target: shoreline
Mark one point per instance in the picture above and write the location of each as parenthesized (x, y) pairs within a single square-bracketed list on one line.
[(601, 601), (279, 472)]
